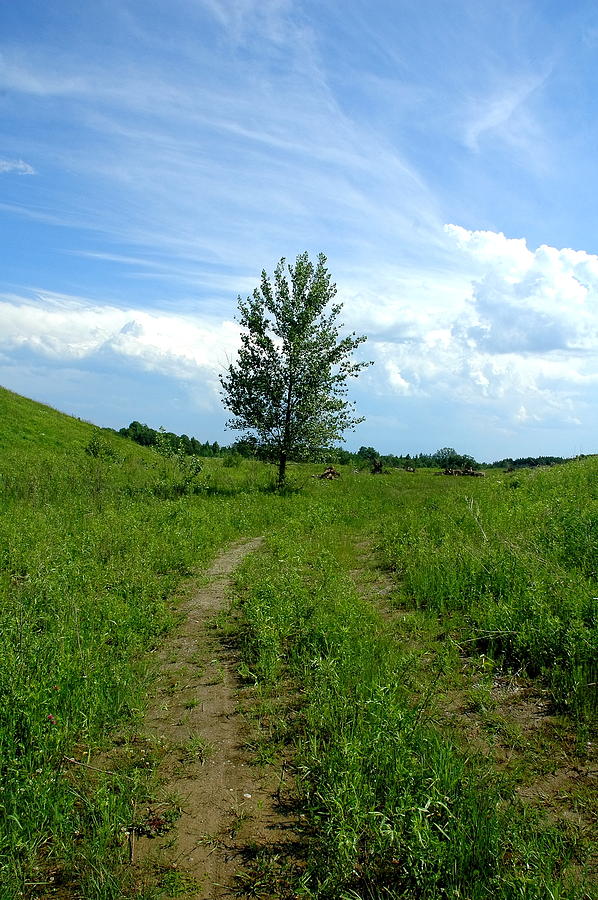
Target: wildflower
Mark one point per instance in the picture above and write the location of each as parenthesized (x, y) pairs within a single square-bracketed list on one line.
[(52, 719)]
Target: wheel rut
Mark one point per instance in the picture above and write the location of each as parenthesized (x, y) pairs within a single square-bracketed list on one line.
[(226, 804)]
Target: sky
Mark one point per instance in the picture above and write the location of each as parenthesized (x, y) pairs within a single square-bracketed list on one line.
[(156, 157)]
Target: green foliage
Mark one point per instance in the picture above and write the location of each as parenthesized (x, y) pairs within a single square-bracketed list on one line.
[(368, 453), (521, 565), (449, 458), (92, 546), (140, 433), (288, 384), (528, 462), (149, 437), (232, 460), (393, 808), (99, 448)]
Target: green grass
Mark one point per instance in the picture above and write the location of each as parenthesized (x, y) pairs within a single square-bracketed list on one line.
[(92, 549), (25, 424), (394, 808), (518, 557), (96, 536)]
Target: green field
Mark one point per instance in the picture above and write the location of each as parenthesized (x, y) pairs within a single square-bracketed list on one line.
[(379, 628)]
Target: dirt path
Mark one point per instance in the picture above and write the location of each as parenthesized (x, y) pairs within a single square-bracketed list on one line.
[(226, 804)]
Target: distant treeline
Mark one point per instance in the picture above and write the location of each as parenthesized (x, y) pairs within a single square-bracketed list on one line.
[(446, 457), (527, 462), (149, 437)]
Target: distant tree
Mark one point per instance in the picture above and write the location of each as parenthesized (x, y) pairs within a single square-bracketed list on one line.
[(368, 453), (448, 458), (342, 456), (246, 447), (390, 459), (528, 462), (185, 444), (287, 386), (141, 434)]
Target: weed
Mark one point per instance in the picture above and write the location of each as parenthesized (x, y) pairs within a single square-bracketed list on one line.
[(178, 884), (197, 749), (395, 808), (157, 820), (481, 699)]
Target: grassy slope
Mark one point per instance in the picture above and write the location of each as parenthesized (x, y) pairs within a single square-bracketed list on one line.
[(25, 424), (92, 548)]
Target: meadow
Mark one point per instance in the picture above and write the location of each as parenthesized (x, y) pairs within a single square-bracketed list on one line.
[(375, 602)]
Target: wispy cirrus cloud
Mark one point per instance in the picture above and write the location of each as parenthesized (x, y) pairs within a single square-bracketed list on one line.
[(502, 112), (16, 167), (184, 150), (232, 142), (271, 19)]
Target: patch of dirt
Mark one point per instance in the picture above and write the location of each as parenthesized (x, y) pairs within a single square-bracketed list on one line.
[(510, 720), (227, 806)]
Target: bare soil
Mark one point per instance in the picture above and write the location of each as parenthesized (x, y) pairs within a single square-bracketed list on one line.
[(227, 806)]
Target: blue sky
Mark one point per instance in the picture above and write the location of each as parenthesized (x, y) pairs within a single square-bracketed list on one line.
[(155, 157)]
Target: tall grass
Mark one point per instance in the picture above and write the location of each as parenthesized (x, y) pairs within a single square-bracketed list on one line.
[(92, 547), (91, 551), (394, 810), (518, 556)]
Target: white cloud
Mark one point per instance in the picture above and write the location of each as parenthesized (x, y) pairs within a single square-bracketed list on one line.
[(74, 329), (500, 110), (17, 166), (520, 345), (486, 247), (17, 76), (511, 334), (531, 302), (511, 340), (397, 382), (267, 18)]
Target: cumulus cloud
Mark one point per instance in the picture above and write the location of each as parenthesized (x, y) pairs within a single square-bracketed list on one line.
[(523, 343), (16, 166), (510, 337), (531, 302), (72, 329)]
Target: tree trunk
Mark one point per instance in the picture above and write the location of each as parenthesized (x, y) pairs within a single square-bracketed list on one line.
[(286, 442), (282, 468)]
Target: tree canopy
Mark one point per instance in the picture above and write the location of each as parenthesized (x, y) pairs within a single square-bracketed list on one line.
[(286, 389)]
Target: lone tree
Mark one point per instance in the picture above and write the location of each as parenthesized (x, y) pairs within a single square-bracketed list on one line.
[(287, 385)]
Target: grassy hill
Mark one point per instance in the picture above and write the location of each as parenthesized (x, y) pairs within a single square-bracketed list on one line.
[(486, 583), (92, 547), (25, 424)]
